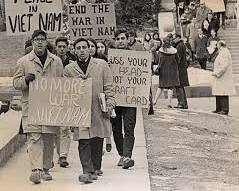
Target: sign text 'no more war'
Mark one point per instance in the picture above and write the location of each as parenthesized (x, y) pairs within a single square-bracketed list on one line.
[(92, 20), (25, 16), (60, 102), (131, 76)]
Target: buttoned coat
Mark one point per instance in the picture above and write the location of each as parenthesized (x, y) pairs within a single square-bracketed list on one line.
[(30, 63), (223, 84), (102, 82)]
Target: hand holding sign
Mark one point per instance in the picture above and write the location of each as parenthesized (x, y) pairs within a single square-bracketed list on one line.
[(29, 78)]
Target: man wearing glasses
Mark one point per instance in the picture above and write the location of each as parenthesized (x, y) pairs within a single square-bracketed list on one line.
[(39, 62)]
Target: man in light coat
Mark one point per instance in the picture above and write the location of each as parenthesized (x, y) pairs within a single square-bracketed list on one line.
[(91, 139), (223, 85), (63, 138), (39, 62)]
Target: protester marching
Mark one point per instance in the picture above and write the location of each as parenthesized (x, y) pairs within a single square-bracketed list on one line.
[(84, 76)]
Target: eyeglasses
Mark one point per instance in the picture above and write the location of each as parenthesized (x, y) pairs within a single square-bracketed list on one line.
[(122, 38), (39, 39)]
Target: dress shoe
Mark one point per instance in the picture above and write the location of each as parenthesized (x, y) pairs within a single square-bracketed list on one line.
[(108, 147), (99, 172), (36, 176), (63, 162), (86, 178), (46, 175), (127, 163), (222, 112)]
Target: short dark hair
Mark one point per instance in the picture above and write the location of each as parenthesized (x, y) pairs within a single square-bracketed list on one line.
[(80, 40), (119, 31), (93, 41), (39, 32), (132, 33), (62, 39)]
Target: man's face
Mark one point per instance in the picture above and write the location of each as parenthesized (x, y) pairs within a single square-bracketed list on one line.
[(39, 44), (82, 50), (121, 41), (61, 48), (209, 16), (202, 5)]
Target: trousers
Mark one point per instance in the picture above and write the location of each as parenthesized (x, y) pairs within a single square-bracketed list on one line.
[(63, 141), (181, 96), (222, 103), (40, 150), (124, 143), (90, 152)]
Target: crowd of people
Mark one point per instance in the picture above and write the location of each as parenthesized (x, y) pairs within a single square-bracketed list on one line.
[(88, 58), (200, 26)]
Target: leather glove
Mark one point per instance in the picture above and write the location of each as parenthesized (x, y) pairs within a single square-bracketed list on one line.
[(29, 78)]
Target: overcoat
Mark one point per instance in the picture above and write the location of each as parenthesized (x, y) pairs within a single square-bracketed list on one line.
[(102, 82), (201, 47), (30, 63), (223, 84), (168, 63), (182, 63)]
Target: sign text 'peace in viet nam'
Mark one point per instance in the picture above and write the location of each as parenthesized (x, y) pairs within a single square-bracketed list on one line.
[(92, 20), (60, 102), (131, 76), (25, 16)]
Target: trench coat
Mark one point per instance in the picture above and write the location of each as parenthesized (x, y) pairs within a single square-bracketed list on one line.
[(168, 64), (201, 47), (182, 63), (102, 82), (223, 84), (30, 63)]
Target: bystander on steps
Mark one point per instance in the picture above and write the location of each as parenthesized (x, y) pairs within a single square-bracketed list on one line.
[(231, 36)]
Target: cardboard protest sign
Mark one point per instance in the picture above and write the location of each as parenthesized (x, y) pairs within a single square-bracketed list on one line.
[(60, 102), (215, 5), (165, 24), (131, 76), (25, 16), (92, 20)]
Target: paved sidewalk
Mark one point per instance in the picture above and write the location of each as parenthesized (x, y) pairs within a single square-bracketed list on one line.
[(15, 174)]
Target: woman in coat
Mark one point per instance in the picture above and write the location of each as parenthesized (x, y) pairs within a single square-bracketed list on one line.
[(223, 85), (168, 73)]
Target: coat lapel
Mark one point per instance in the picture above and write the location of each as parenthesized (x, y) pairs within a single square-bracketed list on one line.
[(48, 61), (90, 66)]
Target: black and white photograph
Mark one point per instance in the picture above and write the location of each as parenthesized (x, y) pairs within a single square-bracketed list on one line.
[(117, 95)]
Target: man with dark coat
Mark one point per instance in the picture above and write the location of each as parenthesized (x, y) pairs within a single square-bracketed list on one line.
[(183, 74), (210, 23), (201, 49)]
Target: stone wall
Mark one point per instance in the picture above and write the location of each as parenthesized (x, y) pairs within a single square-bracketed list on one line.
[(11, 49)]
